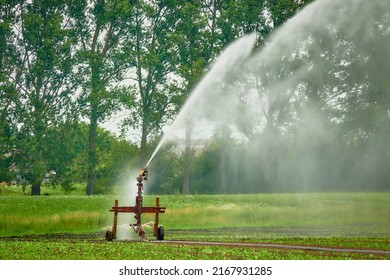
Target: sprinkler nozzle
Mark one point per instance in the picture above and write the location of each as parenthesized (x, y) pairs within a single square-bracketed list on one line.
[(143, 174)]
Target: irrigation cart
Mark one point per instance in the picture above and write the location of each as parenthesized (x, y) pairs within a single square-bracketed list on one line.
[(138, 209)]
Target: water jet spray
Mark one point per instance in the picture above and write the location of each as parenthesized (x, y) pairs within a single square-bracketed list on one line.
[(138, 210)]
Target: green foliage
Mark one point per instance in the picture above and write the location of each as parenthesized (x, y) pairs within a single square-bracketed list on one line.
[(113, 154), (96, 250), (116, 156), (66, 157), (283, 10), (54, 53), (6, 174), (40, 81)]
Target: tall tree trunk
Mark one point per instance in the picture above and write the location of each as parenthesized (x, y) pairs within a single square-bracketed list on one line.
[(96, 87), (36, 188), (92, 160), (38, 160)]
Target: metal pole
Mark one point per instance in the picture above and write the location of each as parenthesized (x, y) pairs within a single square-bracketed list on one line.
[(115, 219), (156, 217), (138, 207)]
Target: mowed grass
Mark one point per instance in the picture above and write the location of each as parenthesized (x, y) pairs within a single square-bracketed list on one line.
[(359, 220), (270, 210), (21, 215)]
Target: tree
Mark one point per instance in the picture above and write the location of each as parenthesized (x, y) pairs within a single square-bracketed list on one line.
[(283, 10), (152, 59), (68, 157), (42, 86), (8, 69), (102, 27), (67, 152)]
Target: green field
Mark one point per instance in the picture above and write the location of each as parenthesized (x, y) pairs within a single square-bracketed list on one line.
[(72, 226)]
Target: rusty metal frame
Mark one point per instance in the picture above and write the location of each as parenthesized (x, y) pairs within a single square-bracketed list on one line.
[(138, 210)]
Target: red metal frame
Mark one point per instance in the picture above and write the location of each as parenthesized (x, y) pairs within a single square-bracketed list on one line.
[(138, 209)]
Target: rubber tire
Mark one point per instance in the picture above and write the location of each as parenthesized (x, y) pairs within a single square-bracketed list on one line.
[(160, 233), (109, 235)]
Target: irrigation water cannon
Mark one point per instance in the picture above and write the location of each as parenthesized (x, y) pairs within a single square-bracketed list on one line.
[(138, 209)]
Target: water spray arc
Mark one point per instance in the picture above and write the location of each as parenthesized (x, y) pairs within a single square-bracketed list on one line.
[(305, 110), (138, 210), (226, 63)]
